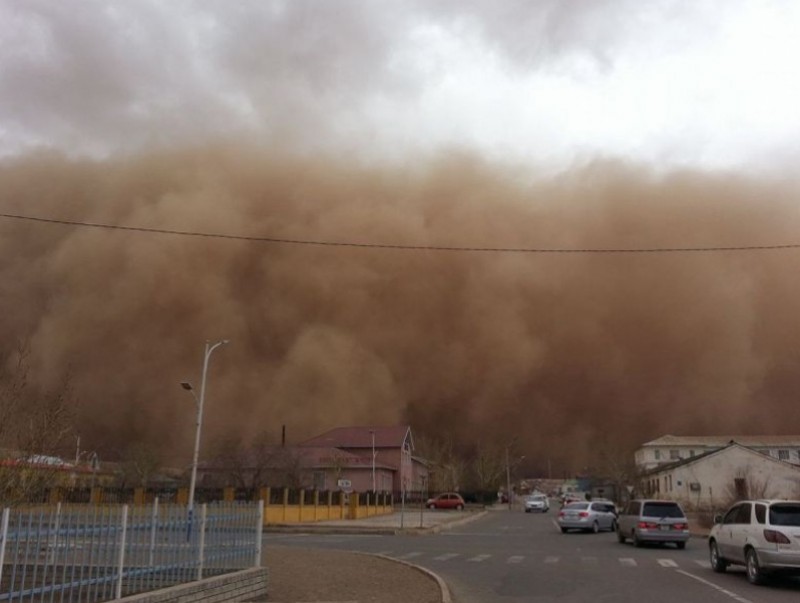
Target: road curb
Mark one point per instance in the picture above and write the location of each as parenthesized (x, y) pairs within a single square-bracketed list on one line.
[(443, 589)]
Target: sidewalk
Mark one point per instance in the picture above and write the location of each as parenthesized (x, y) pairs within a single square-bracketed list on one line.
[(297, 575)]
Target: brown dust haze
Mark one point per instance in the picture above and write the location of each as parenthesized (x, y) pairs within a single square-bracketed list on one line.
[(567, 352)]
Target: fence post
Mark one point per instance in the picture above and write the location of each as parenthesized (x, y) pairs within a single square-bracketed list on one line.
[(54, 542), (121, 559), (153, 533), (259, 532), (3, 539), (201, 550)]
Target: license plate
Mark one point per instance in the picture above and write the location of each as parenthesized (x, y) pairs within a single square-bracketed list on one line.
[(664, 528)]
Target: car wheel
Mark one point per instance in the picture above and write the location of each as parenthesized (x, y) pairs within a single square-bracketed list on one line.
[(754, 573), (563, 530), (459, 507), (680, 545), (613, 527), (620, 536), (431, 506), (595, 527), (636, 542), (718, 564)]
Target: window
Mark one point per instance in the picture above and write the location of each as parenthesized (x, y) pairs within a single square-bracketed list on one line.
[(675, 455), (783, 455), (730, 516), (743, 516), (761, 513), (691, 453), (658, 455), (740, 485)]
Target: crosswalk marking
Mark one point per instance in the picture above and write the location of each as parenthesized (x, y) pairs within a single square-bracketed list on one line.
[(627, 561), (551, 559), (446, 556), (667, 563), (479, 558), (703, 563), (515, 559)]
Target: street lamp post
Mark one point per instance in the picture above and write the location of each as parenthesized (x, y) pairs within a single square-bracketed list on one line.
[(508, 478), (210, 347), (372, 432)]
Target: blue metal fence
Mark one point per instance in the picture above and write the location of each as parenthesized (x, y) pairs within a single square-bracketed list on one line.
[(77, 553)]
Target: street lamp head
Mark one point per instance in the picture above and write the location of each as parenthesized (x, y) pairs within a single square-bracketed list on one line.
[(186, 385)]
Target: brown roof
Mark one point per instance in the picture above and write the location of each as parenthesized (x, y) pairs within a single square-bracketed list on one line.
[(361, 437)]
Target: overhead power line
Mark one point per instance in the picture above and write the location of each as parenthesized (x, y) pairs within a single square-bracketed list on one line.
[(211, 235)]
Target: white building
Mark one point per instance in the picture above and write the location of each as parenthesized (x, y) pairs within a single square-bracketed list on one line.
[(716, 478), (670, 449)]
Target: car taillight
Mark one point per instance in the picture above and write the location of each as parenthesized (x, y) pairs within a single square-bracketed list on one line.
[(647, 525), (561, 513), (776, 537), (584, 514), (679, 526)]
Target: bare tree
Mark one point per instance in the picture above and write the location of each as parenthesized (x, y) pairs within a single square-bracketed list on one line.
[(448, 467), (141, 461), (746, 485), (33, 426), (489, 466)]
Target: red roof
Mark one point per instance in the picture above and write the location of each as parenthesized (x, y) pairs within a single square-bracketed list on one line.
[(361, 437)]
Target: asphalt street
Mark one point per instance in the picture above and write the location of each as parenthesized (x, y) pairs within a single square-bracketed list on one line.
[(513, 557)]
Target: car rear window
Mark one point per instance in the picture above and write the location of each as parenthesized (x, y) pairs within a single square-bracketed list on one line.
[(661, 509), (577, 505), (784, 514)]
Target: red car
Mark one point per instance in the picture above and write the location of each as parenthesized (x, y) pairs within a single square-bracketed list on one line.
[(448, 500)]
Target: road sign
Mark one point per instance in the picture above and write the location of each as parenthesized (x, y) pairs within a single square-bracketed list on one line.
[(344, 483)]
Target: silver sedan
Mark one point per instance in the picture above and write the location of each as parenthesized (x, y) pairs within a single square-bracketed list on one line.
[(587, 516)]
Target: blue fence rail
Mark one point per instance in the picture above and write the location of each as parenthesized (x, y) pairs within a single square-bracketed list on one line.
[(77, 553)]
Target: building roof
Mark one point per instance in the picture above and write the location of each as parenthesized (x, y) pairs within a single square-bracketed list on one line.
[(361, 437), (751, 441), (716, 451)]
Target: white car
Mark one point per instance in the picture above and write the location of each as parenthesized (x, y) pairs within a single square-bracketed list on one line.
[(762, 535), (537, 502)]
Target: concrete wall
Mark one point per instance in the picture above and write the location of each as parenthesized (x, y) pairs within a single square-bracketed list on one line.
[(246, 585), (710, 481)]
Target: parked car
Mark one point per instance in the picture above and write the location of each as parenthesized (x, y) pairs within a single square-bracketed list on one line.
[(447, 500), (762, 535), (588, 516), (537, 502), (656, 521)]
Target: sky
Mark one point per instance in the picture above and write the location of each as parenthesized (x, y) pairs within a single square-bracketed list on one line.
[(668, 82), (413, 209)]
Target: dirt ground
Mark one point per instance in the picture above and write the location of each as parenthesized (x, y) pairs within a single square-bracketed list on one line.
[(314, 575)]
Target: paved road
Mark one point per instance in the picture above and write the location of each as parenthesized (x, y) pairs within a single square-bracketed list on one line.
[(513, 557)]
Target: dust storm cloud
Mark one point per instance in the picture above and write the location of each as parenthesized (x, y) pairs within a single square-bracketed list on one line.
[(568, 352)]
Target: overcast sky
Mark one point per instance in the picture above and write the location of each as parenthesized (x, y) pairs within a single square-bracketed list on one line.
[(668, 82)]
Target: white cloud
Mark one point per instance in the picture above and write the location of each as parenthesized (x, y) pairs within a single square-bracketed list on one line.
[(670, 82)]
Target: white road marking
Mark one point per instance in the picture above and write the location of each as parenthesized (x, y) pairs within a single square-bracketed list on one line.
[(409, 555), (515, 559), (551, 559), (667, 563), (703, 563), (716, 587), (628, 561), (479, 558), (446, 556), (385, 553)]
